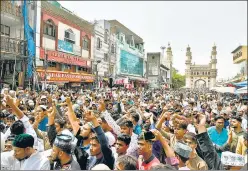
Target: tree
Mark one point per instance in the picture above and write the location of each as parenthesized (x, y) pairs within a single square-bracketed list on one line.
[(178, 80)]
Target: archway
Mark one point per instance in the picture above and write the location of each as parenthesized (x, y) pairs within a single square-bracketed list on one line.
[(200, 84)]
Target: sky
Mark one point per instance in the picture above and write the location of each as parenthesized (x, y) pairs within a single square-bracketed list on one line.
[(197, 24)]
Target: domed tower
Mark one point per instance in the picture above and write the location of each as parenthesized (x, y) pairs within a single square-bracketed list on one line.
[(188, 63), (213, 67), (169, 61)]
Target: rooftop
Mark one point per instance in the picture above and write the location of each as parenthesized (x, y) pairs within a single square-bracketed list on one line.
[(239, 47), (153, 53), (117, 25), (67, 15)]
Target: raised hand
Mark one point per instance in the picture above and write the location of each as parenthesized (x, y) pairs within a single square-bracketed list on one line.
[(89, 116), (68, 100), (157, 134), (9, 100)]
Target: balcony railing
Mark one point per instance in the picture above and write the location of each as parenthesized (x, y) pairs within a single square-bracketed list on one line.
[(8, 7), (13, 46), (237, 55)]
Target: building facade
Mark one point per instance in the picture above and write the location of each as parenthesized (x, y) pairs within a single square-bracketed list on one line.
[(64, 57), (201, 76), (157, 72), (240, 59), (103, 52), (14, 55), (130, 68)]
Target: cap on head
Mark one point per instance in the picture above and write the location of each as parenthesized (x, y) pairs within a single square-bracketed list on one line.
[(64, 142), (182, 149), (23, 141)]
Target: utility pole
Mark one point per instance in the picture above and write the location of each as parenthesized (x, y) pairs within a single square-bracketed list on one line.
[(46, 56)]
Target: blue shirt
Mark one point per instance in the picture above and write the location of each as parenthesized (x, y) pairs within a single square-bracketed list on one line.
[(43, 123), (137, 129), (218, 138)]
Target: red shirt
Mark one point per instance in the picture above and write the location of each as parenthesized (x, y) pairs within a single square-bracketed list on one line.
[(148, 165)]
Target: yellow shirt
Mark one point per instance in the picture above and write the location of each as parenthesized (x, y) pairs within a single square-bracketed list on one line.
[(241, 148)]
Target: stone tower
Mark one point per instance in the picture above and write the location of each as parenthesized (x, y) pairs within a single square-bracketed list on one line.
[(169, 61), (188, 63), (213, 66)]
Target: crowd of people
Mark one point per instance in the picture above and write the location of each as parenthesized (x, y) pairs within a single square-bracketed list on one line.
[(122, 129)]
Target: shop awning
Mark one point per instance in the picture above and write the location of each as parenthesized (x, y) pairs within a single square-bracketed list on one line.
[(242, 90), (138, 78), (241, 84)]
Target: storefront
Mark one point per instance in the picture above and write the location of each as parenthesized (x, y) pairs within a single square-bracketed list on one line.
[(131, 82), (69, 80)]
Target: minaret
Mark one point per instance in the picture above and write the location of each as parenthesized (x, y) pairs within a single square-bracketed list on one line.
[(169, 61), (213, 66), (188, 64)]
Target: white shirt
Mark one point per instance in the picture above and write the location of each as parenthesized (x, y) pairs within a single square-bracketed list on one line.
[(2, 142), (36, 161), (191, 128), (244, 123), (133, 146), (28, 130)]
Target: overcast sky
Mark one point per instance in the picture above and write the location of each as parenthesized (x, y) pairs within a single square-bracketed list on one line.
[(199, 24)]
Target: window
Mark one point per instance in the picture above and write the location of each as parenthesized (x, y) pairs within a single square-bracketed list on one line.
[(105, 57), (132, 41), (49, 28), (5, 30), (85, 43), (99, 43), (106, 36), (52, 64), (82, 69), (112, 48), (111, 69), (122, 39), (69, 36)]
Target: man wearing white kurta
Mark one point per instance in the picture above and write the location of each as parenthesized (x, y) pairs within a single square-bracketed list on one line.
[(24, 156)]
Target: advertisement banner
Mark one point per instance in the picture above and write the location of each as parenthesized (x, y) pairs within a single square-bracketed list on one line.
[(62, 58), (65, 46), (64, 76), (130, 64)]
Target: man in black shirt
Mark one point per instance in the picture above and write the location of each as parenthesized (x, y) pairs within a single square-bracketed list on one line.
[(99, 146)]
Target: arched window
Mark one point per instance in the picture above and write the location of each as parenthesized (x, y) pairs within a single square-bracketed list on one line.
[(69, 36), (99, 43), (86, 43), (106, 36), (49, 28), (112, 48)]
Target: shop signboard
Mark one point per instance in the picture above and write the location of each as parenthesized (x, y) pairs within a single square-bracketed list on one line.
[(63, 58), (130, 64), (64, 76)]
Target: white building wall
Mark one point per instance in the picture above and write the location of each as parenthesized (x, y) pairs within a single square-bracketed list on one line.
[(61, 32), (37, 34), (99, 53), (48, 43), (92, 46)]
